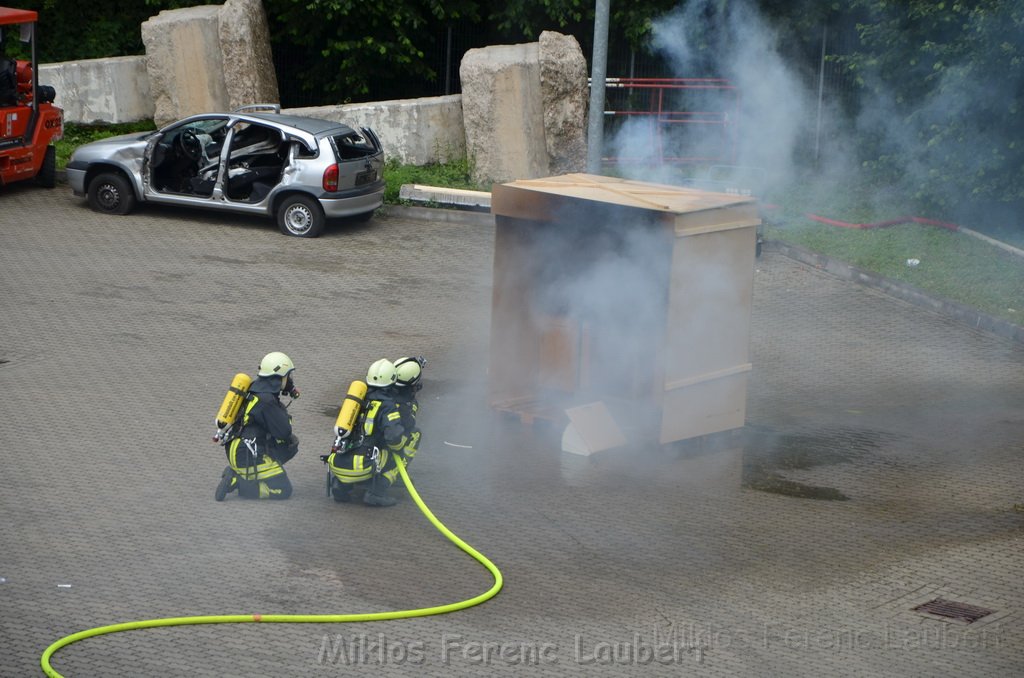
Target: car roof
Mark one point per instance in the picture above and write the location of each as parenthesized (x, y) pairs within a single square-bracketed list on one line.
[(314, 126)]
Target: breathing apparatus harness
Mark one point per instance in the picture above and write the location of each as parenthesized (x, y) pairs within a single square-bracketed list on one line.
[(354, 440), (230, 427)]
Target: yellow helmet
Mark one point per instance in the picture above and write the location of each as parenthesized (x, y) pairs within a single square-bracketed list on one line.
[(276, 363), (409, 370), (381, 373)]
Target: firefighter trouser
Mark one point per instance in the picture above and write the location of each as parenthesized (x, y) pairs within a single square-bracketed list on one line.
[(262, 478), (351, 469)]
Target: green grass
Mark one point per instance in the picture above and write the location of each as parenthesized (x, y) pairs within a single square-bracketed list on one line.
[(455, 174), (954, 266)]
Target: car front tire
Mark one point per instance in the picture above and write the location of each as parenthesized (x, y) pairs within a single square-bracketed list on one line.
[(300, 216), (111, 193)]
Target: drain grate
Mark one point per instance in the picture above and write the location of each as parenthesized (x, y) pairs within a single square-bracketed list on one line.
[(953, 610)]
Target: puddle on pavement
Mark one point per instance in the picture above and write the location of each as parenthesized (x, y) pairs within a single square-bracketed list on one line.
[(768, 452)]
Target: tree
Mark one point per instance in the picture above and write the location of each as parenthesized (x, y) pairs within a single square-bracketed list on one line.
[(346, 49), (944, 86)]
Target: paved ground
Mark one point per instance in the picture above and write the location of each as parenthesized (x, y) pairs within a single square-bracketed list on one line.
[(882, 462)]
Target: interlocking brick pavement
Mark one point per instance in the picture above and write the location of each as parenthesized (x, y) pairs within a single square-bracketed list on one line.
[(120, 336)]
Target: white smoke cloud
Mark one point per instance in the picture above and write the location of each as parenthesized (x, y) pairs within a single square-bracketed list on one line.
[(768, 108)]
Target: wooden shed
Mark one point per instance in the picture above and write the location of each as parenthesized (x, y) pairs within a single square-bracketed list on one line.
[(622, 299)]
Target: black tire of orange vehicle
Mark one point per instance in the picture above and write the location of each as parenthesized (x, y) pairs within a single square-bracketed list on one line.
[(111, 193), (301, 216), (47, 174)]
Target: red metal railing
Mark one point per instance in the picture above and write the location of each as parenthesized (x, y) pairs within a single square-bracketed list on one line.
[(663, 104)]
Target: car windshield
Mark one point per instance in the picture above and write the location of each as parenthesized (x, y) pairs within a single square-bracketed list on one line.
[(207, 126)]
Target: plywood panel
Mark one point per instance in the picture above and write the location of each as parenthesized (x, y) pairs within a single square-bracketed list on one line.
[(710, 303), (613, 289), (559, 360), (704, 408), (509, 199), (514, 343)]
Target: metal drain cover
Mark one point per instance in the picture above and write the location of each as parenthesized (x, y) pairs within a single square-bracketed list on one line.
[(953, 610)]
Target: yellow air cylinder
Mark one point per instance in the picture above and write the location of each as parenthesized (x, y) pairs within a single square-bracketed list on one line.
[(350, 409), (233, 400)]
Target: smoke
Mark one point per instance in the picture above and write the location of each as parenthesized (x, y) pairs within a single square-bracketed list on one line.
[(755, 121), (773, 132), (952, 138)]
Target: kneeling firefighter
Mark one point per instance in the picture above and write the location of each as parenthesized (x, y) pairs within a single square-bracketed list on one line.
[(368, 460), (409, 372), (261, 441)]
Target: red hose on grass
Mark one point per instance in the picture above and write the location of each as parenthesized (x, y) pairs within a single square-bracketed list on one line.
[(884, 224), (911, 220)]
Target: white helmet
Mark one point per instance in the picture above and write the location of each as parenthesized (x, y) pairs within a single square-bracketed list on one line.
[(276, 363), (409, 370), (381, 373)]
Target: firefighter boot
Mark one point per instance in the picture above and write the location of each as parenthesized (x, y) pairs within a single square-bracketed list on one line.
[(228, 483), (377, 494), (341, 492), (372, 498)]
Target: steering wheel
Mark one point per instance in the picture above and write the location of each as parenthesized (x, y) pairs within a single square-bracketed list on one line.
[(190, 145)]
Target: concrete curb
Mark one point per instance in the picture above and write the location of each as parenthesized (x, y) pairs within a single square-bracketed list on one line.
[(448, 216), (900, 290)]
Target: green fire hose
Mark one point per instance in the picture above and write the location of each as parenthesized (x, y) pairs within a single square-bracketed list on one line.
[(300, 618)]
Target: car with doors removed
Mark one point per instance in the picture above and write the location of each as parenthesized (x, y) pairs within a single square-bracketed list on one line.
[(254, 160)]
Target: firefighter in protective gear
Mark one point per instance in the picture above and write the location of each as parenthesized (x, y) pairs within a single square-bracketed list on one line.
[(264, 441), (368, 462), (407, 385)]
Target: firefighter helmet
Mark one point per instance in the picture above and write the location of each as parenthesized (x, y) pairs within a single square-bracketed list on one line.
[(276, 363), (409, 370), (381, 373)]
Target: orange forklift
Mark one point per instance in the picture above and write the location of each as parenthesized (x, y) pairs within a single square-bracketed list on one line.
[(29, 122)]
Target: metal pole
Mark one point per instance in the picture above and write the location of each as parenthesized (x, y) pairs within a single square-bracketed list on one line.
[(35, 75), (448, 63), (598, 71), (821, 91)]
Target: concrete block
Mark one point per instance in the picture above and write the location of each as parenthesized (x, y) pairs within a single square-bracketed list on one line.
[(450, 197), (503, 113), (414, 131), (566, 97), (249, 76), (111, 90), (183, 59)]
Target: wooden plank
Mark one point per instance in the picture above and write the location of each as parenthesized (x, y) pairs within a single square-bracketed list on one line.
[(710, 376)]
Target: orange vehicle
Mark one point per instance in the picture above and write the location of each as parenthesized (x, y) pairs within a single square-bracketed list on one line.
[(29, 122)]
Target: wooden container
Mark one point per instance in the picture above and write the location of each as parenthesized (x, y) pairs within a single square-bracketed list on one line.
[(633, 294)]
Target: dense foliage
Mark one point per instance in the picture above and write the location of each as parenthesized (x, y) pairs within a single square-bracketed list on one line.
[(949, 78)]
